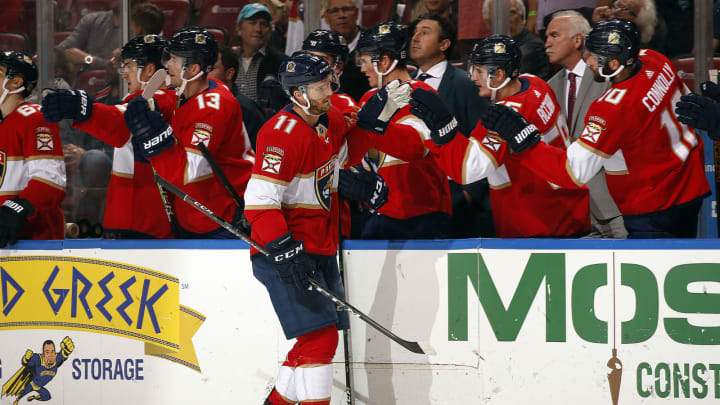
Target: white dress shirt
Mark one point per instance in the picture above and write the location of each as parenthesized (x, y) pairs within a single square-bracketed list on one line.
[(436, 73), (579, 70)]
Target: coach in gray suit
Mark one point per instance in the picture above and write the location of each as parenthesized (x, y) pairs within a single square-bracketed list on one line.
[(432, 40), (576, 89)]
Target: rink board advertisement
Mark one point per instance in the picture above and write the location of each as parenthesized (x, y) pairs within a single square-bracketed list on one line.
[(543, 321)]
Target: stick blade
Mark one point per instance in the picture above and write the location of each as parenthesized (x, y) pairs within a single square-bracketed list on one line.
[(419, 347), (154, 84)]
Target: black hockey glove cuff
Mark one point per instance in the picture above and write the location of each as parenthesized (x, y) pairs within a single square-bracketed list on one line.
[(59, 104), (712, 90), (291, 263), (363, 185), (511, 126), (429, 107), (699, 112), (13, 214), (151, 134)]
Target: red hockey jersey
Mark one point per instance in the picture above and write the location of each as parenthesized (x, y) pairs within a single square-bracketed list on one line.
[(416, 184), (32, 167), (523, 204), (651, 161), (133, 200), (213, 117), (294, 180)]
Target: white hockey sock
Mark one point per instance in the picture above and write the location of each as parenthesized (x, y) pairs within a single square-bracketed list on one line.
[(313, 382), (285, 384)]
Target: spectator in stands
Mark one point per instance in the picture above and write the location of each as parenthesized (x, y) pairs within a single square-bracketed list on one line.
[(225, 71), (279, 12), (679, 20), (445, 8), (534, 60), (94, 38), (258, 63), (432, 41), (575, 90), (341, 16), (644, 14), (146, 19), (538, 10)]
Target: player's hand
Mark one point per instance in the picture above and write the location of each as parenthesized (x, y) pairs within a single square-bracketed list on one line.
[(13, 214), (363, 185), (699, 112), (59, 104), (67, 346), (511, 126), (291, 263), (151, 134), (28, 355), (712, 90), (429, 107), (377, 112)]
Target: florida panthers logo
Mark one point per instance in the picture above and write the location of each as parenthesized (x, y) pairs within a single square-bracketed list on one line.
[(3, 165), (324, 182), (614, 38)]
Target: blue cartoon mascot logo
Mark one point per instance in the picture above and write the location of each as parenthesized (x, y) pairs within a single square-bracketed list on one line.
[(37, 370)]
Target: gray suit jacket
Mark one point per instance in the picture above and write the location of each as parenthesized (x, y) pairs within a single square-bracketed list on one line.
[(602, 206)]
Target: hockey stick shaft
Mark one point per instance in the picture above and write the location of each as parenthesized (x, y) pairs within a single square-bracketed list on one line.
[(414, 347), (221, 175)]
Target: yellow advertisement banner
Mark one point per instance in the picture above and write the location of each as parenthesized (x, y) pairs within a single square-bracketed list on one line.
[(91, 295)]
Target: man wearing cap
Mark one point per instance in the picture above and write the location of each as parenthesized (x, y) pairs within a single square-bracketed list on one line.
[(258, 62)]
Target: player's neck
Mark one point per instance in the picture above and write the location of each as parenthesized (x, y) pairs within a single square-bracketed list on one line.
[(12, 101), (311, 120), (626, 72), (196, 86), (397, 73), (511, 88)]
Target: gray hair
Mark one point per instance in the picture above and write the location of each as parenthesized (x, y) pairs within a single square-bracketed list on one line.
[(579, 24), (519, 3)]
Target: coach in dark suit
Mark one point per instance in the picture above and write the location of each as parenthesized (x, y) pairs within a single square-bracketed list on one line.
[(432, 41), (575, 90)]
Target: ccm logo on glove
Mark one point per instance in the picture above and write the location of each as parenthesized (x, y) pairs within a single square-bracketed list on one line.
[(283, 256)]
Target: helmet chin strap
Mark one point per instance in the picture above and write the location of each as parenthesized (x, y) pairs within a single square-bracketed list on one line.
[(495, 89), (142, 83), (613, 74), (185, 81), (5, 91), (380, 75), (305, 109)]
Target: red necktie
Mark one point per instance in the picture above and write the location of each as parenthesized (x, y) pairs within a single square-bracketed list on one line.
[(571, 99)]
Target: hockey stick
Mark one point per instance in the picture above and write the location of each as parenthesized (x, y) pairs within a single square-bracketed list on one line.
[(156, 81), (221, 175), (415, 347), (346, 332)]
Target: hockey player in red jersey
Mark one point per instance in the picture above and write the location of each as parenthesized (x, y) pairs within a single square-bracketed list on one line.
[(206, 113), (419, 205), (653, 163), (134, 206), (357, 182), (523, 204), (32, 169), (291, 203)]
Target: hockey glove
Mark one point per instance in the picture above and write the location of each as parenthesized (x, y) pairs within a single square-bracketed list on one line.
[(28, 355), (13, 214), (62, 104), (288, 257), (377, 112), (151, 134), (511, 126), (67, 346), (363, 185), (700, 112), (712, 90), (429, 107)]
